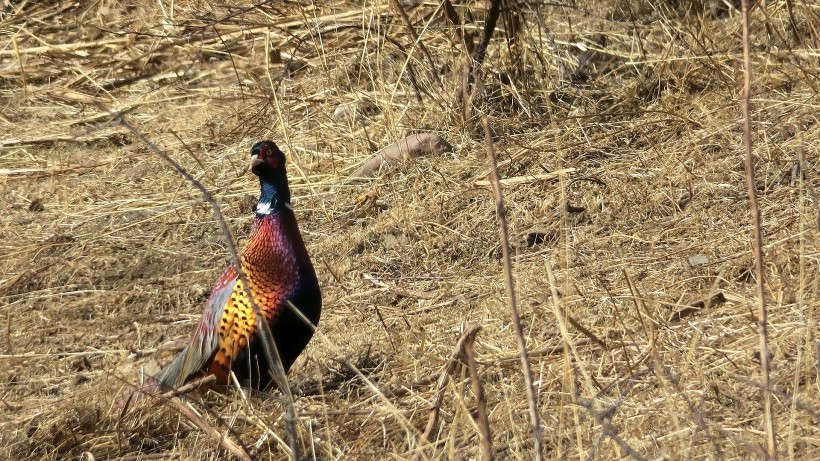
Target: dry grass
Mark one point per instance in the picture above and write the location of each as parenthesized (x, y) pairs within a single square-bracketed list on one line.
[(108, 255)]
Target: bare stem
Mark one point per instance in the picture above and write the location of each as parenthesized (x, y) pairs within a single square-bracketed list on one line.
[(435, 408), (481, 402), (214, 434), (396, 4), (771, 437), (501, 212)]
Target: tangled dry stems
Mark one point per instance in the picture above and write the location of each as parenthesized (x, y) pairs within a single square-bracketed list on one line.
[(108, 254)]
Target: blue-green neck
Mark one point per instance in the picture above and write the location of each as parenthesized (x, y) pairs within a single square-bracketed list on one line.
[(274, 196)]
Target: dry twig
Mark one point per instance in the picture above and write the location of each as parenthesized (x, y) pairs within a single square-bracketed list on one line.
[(229, 444), (396, 4), (435, 408), (481, 401), (501, 213), (771, 437)]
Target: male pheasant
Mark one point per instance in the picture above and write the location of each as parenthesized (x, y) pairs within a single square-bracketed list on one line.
[(281, 277)]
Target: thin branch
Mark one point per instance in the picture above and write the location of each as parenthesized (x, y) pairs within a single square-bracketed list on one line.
[(149, 389), (771, 437), (604, 418), (608, 430), (481, 401), (463, 35), (501, 213), (191, 386), (396, 4), (172, 399), (404, 389), (197, 421), (435, 408), (662, 372), (486, 33), (800, 404)]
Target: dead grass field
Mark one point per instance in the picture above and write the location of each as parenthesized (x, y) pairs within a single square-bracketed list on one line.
[(107, 255)]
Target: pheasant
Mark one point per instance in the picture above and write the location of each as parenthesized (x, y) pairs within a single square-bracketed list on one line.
[(281, 278)]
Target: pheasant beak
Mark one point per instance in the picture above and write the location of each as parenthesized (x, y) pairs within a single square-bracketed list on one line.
[(256, 161)]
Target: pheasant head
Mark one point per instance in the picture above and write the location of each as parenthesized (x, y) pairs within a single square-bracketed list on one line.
[(268, 162)]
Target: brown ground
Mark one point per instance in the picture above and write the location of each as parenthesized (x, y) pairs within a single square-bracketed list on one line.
[(108, 255)]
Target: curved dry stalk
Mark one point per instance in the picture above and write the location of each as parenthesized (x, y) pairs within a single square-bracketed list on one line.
[(771, 437), (435, 408), (173, 399), (481, 402), (197, 421), (501, 212), (396, 5)]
